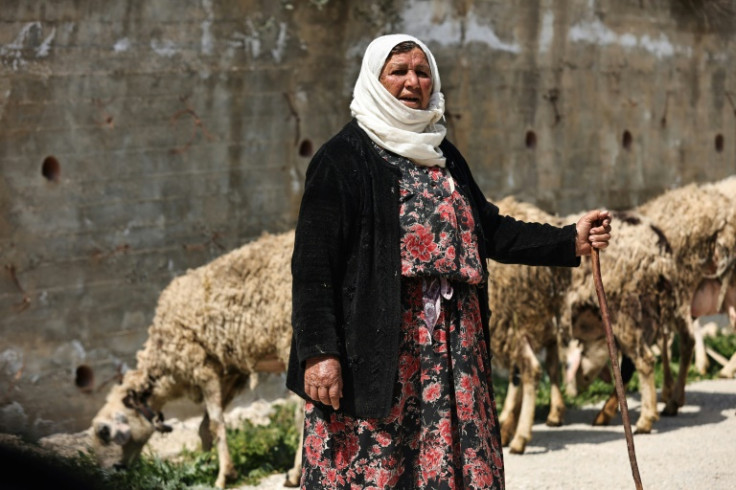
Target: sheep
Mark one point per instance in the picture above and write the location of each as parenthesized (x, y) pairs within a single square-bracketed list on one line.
[(700, 223), (716, 293), (637, 271), (525, 302), (214, 326)]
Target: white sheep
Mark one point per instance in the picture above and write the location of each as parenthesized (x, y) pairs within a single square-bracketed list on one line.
[(526, 302), (637, 270), (214, 326), (716, 293), (699, 222)]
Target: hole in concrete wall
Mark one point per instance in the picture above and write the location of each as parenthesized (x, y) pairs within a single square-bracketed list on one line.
[(626, 140), (531, 140), (719, 143), (51, 168), (85, 378), (305, 148)]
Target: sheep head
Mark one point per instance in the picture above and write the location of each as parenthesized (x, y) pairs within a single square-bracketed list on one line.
[(587, 352), (124, 425)]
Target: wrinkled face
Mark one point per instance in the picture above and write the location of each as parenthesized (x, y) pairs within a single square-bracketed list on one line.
[(408, 78), (119, 432)]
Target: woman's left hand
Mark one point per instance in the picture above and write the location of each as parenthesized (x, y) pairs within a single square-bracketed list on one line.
[(594, 230)]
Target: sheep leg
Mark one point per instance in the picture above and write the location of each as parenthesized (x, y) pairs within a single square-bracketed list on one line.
[(686, 352), (610, 408), (205, 434), (645, 367), (511, 408), (530, 374), (509, 403), (668, 381), (212, 389), (729, 369), (556, 403), (701, 358), (293, 476), (232, 386), (574, 355)]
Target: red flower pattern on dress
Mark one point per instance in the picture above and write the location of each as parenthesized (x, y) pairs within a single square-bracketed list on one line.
[(432, 392), (313, 449), (419, 243)]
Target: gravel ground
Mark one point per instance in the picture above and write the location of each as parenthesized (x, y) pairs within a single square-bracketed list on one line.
[(695, 450)]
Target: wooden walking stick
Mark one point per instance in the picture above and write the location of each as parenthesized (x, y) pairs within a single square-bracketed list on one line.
[(613, 354)]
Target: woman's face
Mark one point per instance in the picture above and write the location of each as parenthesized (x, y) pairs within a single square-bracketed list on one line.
[(408, 78)]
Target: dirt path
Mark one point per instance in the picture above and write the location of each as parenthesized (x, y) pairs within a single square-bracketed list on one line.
[(695, 450)]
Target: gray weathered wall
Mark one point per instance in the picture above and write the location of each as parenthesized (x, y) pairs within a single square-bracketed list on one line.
[(141, 138)]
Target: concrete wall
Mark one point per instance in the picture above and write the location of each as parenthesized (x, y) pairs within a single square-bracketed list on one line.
[(141, 138)]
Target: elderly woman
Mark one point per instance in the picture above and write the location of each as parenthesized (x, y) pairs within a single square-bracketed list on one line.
[(390, 308)]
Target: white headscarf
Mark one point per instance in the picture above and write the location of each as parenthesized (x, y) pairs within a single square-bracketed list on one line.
[(413, 133)]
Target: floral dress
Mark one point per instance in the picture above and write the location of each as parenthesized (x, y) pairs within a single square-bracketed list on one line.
[(442, 430)]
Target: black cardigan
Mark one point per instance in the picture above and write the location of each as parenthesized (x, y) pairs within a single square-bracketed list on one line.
[(346, 266)]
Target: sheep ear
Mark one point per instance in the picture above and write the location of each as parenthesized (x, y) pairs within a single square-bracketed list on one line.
[(102, 431), (129, 400)]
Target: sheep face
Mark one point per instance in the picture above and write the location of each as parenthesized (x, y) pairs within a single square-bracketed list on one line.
[(594, 359), (585, 363), (587, 354), (121, 429)]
